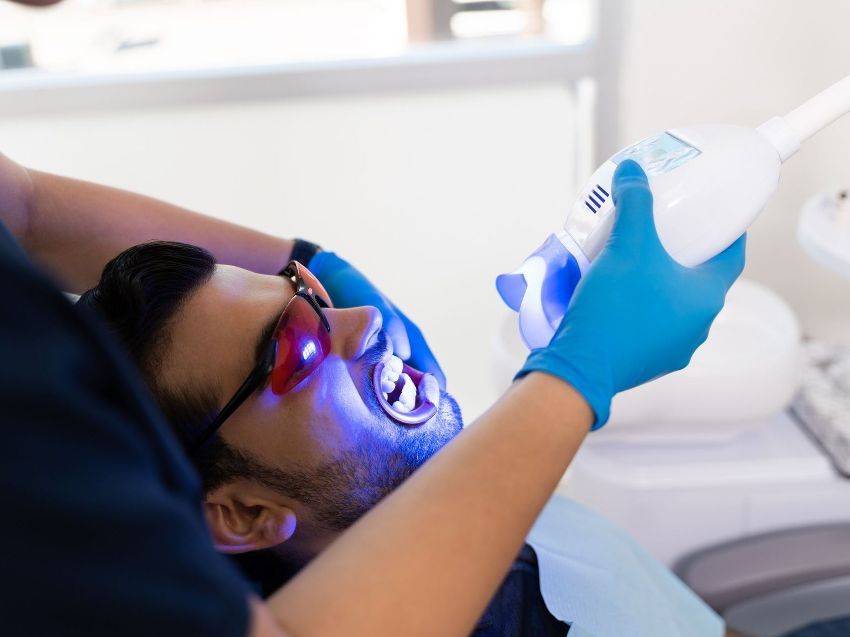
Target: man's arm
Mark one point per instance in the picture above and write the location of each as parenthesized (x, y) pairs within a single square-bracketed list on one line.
[(74, 228)]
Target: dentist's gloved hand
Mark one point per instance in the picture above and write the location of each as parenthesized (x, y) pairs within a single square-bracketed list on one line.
[(349, 288), (637, 314)]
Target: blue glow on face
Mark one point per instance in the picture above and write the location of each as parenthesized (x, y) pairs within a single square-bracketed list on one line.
[(309, 351)]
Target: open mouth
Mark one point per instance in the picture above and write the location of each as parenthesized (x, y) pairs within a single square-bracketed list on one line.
[(408, 396)]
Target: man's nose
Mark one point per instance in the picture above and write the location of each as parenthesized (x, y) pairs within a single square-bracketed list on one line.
[(353, 330)]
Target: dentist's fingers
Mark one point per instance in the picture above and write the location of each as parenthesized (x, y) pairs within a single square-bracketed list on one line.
[(421, 356), (396, 329), (634, 223)]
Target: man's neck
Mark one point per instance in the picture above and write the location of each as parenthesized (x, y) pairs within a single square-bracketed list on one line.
[(269, 569)]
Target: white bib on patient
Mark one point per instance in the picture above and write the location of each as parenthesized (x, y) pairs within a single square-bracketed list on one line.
[(597, 579)]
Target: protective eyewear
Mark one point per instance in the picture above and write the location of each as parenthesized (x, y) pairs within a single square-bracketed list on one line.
[(299, 343)]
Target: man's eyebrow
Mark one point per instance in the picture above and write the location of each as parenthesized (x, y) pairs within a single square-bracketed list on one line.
[(268, 331), (265, 337)]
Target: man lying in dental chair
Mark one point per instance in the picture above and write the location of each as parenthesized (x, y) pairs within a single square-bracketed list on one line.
[(364, 403)]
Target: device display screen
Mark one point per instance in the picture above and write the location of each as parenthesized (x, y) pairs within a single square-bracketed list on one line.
[(660, 154)]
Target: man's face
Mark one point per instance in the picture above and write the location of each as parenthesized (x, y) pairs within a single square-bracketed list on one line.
[(330, 431)]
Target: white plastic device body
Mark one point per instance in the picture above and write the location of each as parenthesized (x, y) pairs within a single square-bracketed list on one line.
[(709, 183), (706, 173)]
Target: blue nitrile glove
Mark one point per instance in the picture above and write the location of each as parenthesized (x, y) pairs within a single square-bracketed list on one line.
[(349, 288), (637, 314)]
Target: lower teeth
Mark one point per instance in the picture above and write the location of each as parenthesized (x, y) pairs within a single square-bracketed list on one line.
[(398, 406)]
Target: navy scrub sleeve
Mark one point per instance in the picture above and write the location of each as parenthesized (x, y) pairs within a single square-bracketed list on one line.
[(101, 527)]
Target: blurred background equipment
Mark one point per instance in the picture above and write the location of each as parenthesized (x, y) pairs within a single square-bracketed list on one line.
[(15, 56), (824, 230), (823, 404)]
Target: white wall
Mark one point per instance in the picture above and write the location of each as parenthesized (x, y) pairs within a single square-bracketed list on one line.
[(742, 61)]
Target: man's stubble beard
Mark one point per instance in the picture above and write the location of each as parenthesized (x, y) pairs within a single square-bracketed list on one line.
[(342, 490)]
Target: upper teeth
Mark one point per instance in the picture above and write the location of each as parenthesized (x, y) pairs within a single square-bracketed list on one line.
[(390, 376), (390, 373)]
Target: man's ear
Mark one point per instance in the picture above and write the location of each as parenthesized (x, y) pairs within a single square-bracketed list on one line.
[(245, 516)]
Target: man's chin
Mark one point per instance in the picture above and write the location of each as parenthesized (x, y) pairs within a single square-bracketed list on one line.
[(346, 487), (450, 414), (419, 444)]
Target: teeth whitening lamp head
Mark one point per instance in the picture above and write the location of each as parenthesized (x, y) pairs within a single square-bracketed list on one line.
[(709, 183)]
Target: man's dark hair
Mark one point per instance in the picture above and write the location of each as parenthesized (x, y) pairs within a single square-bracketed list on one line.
[(140, 293)]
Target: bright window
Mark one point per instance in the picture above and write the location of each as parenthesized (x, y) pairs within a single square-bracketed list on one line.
[(153, 35)]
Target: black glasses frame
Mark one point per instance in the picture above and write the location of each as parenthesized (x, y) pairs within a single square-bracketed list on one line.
[(265, 364)]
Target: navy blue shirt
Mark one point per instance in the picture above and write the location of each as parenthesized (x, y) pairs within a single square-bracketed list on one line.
[(102, 531), (518, 609), (836, 627)]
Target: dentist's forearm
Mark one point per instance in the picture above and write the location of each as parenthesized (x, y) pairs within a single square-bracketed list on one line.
[(427, 560), (74, 228)]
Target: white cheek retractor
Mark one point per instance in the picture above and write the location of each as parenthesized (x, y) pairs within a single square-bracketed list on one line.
[(709, 183)]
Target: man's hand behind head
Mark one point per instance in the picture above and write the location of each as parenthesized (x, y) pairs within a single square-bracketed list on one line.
[(37, 3), (16, 190)]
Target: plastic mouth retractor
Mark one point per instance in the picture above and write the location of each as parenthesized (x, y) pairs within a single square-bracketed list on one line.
[(541, 289), (423, 412)]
